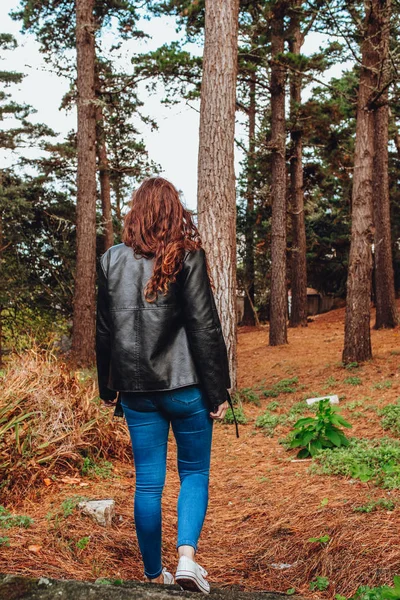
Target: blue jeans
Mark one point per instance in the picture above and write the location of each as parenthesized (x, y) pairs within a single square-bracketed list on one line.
[(148, 422)]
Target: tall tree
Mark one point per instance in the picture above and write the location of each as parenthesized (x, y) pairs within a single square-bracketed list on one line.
[(298, 270), (216, 174), (357, 339), (83, 334), (385, 301), (278, 302)]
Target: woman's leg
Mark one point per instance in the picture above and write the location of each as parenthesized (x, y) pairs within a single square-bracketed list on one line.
[(149, 436), (192, 427)]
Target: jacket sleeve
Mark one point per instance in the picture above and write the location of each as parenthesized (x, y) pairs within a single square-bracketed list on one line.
[(103, 338), (203, 328)]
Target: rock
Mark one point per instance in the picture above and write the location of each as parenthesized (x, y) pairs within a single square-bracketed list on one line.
[(102, 511), (16, 587), (332, 399)]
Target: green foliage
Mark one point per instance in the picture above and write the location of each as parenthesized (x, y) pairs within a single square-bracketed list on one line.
[(7, 520), (83, 542), (374, 505), (274, 405), (323, 539), (377, 461), (91, 468), (297, 409), (239, 413), (352, 380), (383, 592), (313, 434), (268, 422), (68, 506), (4, 541), (351, 366), (246, 395), (383, 385), (319, 583), (285, 386), (391, 417)]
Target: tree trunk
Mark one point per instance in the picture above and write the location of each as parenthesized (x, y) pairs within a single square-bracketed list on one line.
[(385, 300), (357, 339), (278, 303), (83, 340), (249, 271), (298, 313), (104, 172), (216, 174)]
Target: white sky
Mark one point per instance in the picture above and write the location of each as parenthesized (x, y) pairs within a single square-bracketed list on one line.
[(174, 146)]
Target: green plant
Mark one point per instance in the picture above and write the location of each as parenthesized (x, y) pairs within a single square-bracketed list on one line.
[(312, 434), (351, 406), (7, 520), (319, 583), (268, 422), (299, 408), (374, 505), (92, 468), (83, 542), (353, 380), (240, 416), (285, 386), (291, 591), (383, 385), (383, 592), (352, 366), (68, 506), (323, 539), (368, 460), (4, 541), (274, 405), (391, 417), (246, 395)]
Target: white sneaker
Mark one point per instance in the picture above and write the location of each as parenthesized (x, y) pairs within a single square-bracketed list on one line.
[(168, 577), (191, 576)]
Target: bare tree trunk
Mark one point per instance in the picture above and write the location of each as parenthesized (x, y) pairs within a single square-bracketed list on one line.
[(83, 340), (249, 271), (298, 313), (278, 305), (357, 339), (385, 300), (104, 172), (216, 175)]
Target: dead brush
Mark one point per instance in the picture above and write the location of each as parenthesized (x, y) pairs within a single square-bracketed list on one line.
[(50, 418)]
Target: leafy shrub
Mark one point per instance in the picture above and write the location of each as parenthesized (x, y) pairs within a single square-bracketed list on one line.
[(269, 421), (246, 395), (391, 417), (383, 592), (91, 468), (383, 385), (353, 380), (368, 460), (319, 583), (240, 416), (285, 386), (374, 505), (313, 434), (7, 520)]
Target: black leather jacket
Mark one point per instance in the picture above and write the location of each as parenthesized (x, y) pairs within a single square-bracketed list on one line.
[(170, 343)]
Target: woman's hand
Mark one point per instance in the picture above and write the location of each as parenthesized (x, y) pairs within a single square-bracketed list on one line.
[(219, 414)]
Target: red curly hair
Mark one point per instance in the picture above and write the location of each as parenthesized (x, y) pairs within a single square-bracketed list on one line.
[(158, 226)]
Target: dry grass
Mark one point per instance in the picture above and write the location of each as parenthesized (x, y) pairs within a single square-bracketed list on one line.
[(49, 419)]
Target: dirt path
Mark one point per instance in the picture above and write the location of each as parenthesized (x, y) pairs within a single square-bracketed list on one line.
[(264, 506)]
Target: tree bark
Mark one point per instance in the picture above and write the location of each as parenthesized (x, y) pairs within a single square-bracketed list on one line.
[(357, 339), (385, 299), (83, 340), (249, 271), (278, 302), (216, 175), (298, 271), (104, 172)]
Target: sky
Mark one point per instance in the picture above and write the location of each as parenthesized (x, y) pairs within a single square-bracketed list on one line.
[(174, 145)]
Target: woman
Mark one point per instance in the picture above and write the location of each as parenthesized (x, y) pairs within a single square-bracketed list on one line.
[(159, 344)]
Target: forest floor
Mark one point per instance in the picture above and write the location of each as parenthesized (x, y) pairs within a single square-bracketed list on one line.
[(264, 504)]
